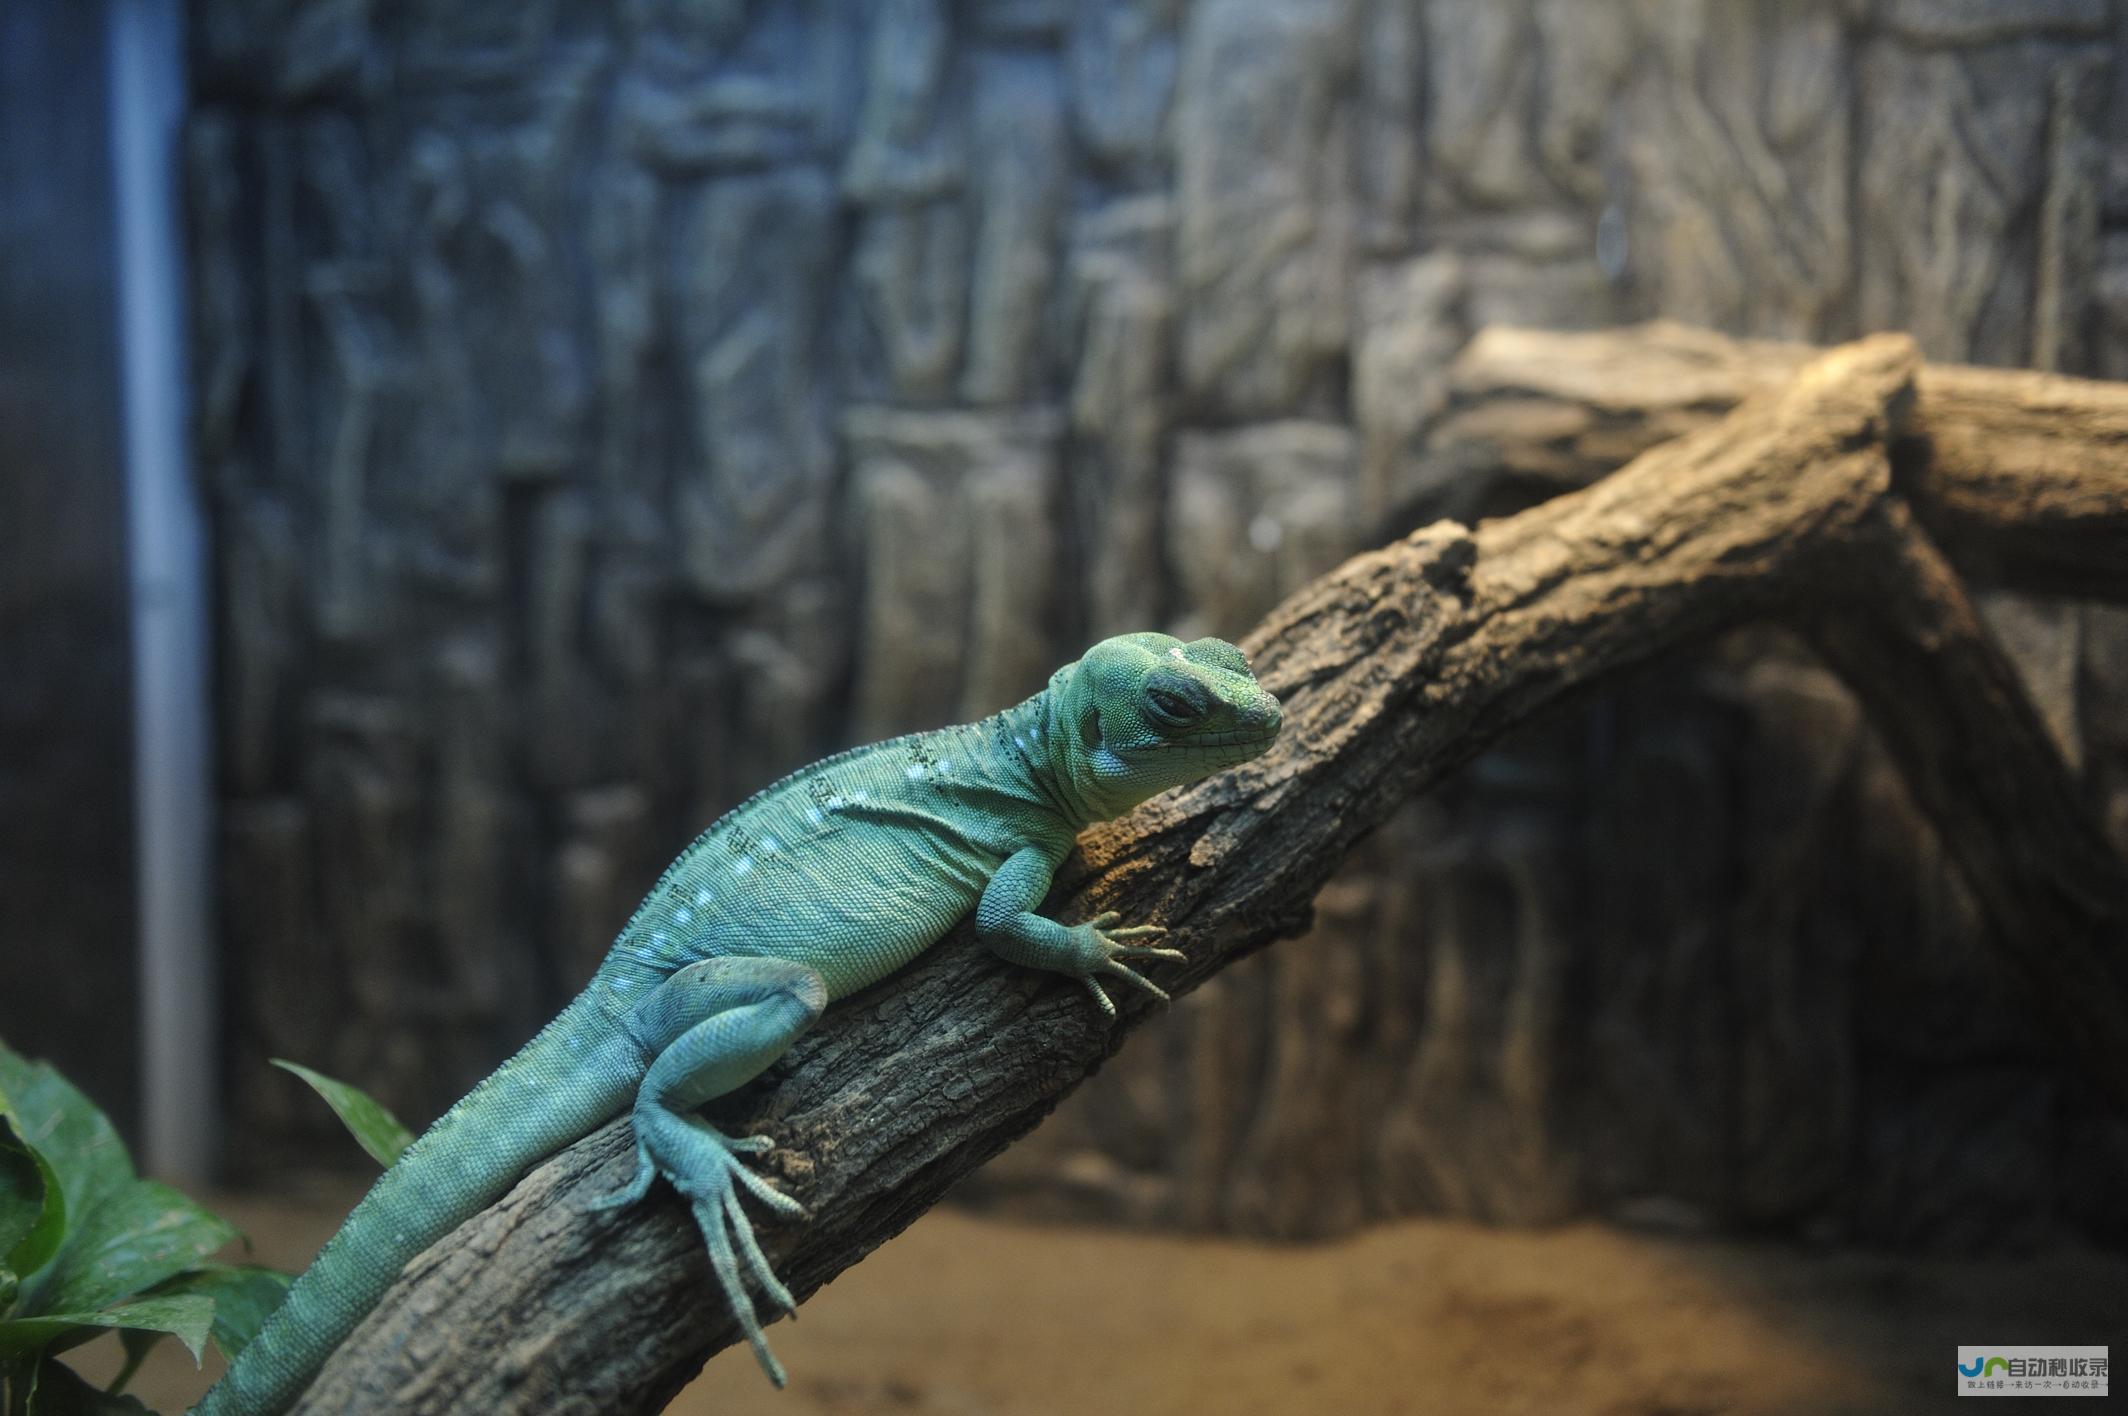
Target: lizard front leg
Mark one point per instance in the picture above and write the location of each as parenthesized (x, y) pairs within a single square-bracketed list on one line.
[(711, 1028), (1006, 921)]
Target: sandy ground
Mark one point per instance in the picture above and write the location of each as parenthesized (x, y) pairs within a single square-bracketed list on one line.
[(967, 1316)]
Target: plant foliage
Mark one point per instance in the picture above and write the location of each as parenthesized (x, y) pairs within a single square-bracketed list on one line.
[(88, 1246), (379, 1132)]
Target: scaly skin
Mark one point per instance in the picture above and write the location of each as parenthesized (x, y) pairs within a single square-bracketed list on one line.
[(824, 883)]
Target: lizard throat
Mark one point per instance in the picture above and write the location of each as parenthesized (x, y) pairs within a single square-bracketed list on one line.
[(1034, 738)]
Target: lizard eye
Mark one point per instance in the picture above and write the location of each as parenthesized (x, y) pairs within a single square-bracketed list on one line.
[(1171, 707)]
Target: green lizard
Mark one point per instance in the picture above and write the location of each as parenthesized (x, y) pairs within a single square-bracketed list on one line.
[(817, 886)]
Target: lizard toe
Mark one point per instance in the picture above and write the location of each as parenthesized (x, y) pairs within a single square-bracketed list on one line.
[(646, 1173), (757, 1262), (1131, 976), (711, 1218), (1100, 995), (1138, 953)]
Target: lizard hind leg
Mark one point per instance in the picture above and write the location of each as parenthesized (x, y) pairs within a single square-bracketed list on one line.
[(712, 1027)]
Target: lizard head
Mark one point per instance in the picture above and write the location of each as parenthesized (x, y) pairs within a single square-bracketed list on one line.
[(1140, 713)]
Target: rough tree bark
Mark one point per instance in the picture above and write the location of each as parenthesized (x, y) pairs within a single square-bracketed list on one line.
[(2017, 475), (1395, 668)]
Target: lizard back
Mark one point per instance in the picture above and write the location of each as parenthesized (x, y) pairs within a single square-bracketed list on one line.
[(855, 864)]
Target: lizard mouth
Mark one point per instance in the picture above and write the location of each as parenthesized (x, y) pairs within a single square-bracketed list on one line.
[(1254, 739), (1238, 737), (1261, 724)]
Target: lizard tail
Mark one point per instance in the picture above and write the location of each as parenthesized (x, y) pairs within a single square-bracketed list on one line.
[(580, 1071)]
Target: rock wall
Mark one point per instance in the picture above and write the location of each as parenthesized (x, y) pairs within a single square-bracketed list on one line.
[(608, 408)]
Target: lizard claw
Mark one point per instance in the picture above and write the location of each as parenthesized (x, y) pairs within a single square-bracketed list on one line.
[(1112, 957), (1130, 975), (712, 1214), (1100, 996)]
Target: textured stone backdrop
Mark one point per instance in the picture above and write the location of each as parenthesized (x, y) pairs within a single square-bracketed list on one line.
[(609, 407)]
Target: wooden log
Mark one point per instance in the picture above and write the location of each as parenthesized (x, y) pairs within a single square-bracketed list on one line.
[(2021, 477)]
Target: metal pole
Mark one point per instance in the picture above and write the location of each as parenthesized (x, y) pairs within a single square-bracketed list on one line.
[(166, 545)]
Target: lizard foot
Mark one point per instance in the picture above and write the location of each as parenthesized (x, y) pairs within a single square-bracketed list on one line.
[(646, 1172), (704, 1166), (1110, 955)]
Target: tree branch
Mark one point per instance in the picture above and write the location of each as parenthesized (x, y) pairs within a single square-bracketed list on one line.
[(2021, 477), (1981, 764), (1394, 669)]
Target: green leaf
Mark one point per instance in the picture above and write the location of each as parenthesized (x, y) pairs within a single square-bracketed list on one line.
[(19, 1382), (21, 1190), (187, 1317), (54, 1119), (137, 1343), (244, 1298), (59, 1391), (24, 1250), (377, 1129), (131, 1241)]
